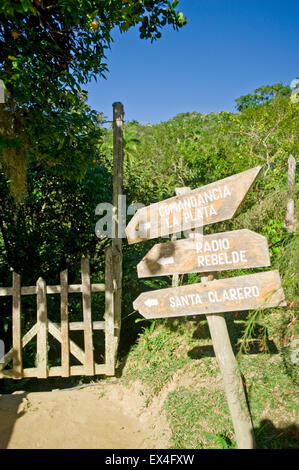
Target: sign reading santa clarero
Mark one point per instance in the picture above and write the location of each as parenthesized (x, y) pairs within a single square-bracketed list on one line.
[(251, 292), (216, 252), (212, 203)]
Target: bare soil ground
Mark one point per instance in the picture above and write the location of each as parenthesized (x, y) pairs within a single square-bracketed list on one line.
[(101, 417)]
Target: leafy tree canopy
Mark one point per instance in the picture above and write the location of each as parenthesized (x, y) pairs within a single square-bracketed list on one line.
[(48, 50), (49, 44), (262, 95)]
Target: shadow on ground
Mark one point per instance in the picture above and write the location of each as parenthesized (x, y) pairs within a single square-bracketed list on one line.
[(268, 436), (9, 413)]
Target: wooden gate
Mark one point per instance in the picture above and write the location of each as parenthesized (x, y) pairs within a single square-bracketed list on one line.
[(60, 331)]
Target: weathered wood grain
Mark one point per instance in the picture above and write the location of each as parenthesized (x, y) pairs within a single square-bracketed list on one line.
[(87, 319), (16, 325), (42, 330), (118, 157), (231, 375), (250, 292), (109, 312), (65, 342), (25, 340), (75, 350), (238, 249), (212, 203), (72, 288), (290, 212)]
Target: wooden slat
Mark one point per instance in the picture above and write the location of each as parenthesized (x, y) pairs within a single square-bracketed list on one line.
[(100, 369), (42, 330), (79, 325), (74, 370), (5, 291), (72, 289), (98, 287), (109, 313), (16, 325), (29, 335), (77, 370), (87, 320), (7, 358), (119, 213), (65, 344), (9, 374), (77, 352), (290, 212), (25, 340)]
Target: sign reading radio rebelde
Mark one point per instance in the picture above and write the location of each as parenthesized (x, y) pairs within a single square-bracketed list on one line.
[(212, 203), (217, 252), (250, 292)]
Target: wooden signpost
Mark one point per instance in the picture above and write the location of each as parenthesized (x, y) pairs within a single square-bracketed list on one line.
[(212, 203), (250, 292), (217, 252), (207, 254)]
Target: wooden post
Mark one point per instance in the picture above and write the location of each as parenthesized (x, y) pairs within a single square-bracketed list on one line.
[(290, 217), (233, 384), (118, 155), (65, 343), (16, 326), (87, 320), (109, 313), (42, 330)]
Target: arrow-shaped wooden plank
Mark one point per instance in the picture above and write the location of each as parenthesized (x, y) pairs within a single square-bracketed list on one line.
[(212, 203), (217, 252), (251, 292)]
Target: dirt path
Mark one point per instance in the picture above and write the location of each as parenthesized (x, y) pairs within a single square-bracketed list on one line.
[(72, 419)]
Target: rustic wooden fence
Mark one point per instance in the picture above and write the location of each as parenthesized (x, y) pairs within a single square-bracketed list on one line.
[(60, 331)]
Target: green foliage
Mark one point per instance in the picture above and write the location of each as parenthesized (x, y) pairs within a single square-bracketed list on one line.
[(262, 95), (47, 46), (194, 149), (186, 409), (49, 50), (55, 224)]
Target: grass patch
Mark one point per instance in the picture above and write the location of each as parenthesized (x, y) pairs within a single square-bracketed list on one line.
[(199, 419), (156, 357)]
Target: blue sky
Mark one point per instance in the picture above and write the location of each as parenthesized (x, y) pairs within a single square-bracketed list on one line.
[(227, 49)]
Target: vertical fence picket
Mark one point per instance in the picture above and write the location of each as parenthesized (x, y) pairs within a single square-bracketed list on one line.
[(87, 320), (118, 156), (16, 326), (109, 313), (290, 213), (65, 343), (42, 329)]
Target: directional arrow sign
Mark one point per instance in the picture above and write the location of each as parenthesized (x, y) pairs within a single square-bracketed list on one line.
[(217, 252), (206, 205), (261, 290)]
